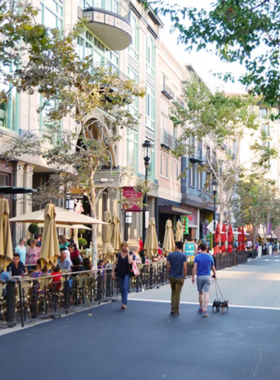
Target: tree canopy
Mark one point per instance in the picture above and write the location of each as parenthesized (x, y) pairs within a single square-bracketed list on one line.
[(245, 31)]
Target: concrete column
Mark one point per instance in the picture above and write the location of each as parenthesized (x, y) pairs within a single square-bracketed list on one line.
[(18, 182)]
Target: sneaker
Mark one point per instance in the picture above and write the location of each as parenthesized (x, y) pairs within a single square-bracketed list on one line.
[(172, 312), (205, 314), (199, 310)]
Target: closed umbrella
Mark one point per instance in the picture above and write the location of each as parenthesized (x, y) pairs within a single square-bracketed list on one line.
[(179, 231), (6, 247), (230, 238), (217, 239), (224, 238), (168, 241), (50, 246), (151, 243), (108, 250), (116, 240)]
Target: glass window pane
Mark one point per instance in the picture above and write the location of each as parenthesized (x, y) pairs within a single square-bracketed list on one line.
[(50, 19)]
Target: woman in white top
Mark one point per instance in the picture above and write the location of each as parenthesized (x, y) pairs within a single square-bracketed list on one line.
[(21, 249)]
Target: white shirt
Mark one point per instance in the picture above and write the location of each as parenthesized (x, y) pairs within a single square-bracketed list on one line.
[(68, 256)]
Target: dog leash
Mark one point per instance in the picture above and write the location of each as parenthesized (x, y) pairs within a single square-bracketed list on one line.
[(218, 290)]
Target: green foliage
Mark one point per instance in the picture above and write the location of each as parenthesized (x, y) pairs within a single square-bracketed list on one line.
[(82, 231), (82, 242), (33, 228), (244, 31), (28, 242)]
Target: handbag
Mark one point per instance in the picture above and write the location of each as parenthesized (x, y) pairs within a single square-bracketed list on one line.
[(135, 269)]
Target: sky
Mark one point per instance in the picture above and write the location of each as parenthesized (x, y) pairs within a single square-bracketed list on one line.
[(204, 63)]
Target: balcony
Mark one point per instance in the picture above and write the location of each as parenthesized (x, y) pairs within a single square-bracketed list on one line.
[(166, 140), (110, 68), (179, 101), (167, 92), (196, 157), (109, 21)]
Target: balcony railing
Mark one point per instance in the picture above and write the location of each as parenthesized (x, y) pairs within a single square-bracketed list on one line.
[(167, 92), (179, 101), (196, 157), (166, 140), (120, 8), (111, 68)]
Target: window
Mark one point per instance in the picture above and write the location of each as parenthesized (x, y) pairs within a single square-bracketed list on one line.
[(214, 158), (175, 170), (134, 106), (45, 123), (151, 169), (150, 56), (166, 166), (161, 163), (263, 112), (150, 107), (134, 46), (9, 112), (192, 176), (200, 184), (52, 14), (208, 152), (132, 149), (199, 149)]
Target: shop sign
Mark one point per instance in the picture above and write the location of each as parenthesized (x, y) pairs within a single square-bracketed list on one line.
[(131, 199), (189, 249), (185, 223)]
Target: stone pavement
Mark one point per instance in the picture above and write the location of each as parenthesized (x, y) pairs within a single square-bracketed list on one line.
[(145, 342)]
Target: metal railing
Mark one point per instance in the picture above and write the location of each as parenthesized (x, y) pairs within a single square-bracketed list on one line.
[(166, 139), (120, 8), (167, 91), (111, 68), (179, 101)]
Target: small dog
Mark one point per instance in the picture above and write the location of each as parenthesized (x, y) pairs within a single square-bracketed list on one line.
[(218, 304)]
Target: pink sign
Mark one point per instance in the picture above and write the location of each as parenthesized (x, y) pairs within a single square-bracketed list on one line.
[(134, 199)]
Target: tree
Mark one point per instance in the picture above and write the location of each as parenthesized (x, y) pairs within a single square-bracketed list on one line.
[(257, 203), (245, 31), (218, 123), (31, 55), (96, 99)]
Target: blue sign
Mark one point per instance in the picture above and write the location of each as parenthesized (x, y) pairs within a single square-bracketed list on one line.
[(189, 249)]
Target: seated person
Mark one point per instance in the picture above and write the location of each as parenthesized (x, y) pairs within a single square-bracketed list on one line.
[(77, 265), (63, 243), (67, 253), (56, 278), (74, 252), (17, 267), (38, 272), (63, 262), (33, 254), (4, 276)]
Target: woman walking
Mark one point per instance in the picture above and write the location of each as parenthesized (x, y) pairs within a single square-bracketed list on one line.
[(122, 266)]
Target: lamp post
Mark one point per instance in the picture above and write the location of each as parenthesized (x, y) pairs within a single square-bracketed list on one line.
[(215, 191), (147, 148)]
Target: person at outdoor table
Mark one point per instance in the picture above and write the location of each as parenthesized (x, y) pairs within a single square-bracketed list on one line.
[(56, 278), (17, 267), (21, 249), (33, 254), (4, 276), (77, 266), (88, 265), (159, 249), (38, 272), (63, 243), (74, 252), (38, 239), (63, 262), (124, 259), (67, 253)]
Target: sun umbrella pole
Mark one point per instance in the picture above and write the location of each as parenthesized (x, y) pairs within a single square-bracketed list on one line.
[(94, 245)]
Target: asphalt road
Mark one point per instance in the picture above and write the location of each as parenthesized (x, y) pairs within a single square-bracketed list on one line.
[(145, 342)]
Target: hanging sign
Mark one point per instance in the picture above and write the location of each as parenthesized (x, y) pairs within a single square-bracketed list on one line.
[(131, 199), (185, 223), (189, 249)]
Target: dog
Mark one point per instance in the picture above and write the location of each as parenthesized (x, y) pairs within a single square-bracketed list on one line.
[(218, 304)]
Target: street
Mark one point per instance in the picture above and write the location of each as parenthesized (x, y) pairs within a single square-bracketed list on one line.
[(145, 342)]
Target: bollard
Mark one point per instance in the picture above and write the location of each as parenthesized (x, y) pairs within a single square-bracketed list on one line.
[(260, 251), (11, 303)]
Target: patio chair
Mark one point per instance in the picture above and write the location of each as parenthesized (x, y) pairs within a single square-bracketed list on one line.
[(44, 285), (3, 302), (26, 295)]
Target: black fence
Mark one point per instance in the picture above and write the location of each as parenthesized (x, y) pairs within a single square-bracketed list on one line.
[(50, 296)]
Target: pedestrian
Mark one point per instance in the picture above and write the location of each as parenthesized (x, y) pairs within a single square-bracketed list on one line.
[(203, 263), (122, 267), (177, 272), (21, 249)]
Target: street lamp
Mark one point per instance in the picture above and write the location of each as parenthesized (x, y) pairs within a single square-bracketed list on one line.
[(147, 149), (215, 187)]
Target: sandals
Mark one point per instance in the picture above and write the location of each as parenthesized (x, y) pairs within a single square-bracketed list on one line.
[(123, 307), (205, 314), (199, 311)]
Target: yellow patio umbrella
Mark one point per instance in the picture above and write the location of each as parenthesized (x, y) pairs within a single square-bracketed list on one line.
[(179, 231), (116, 240), (75, 237), (108, 250), (168, 241), (6, 247), (151, 243), (50, 247)]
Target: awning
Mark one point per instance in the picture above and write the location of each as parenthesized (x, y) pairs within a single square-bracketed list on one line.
[(173, 210), (15, 190)]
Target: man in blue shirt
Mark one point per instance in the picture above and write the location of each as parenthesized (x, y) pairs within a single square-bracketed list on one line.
[(203, 263), (177, 271)]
